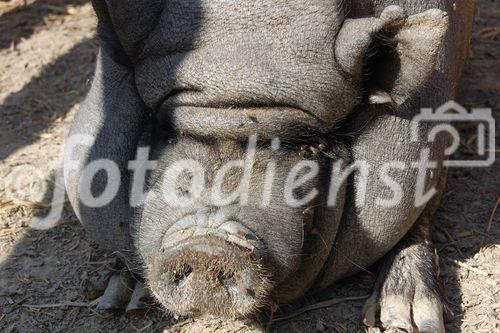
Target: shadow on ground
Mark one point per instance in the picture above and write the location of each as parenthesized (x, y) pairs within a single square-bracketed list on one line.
[(22, 22), (47, 279), (62, 84)]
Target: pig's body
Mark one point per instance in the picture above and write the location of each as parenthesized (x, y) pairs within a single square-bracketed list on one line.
[(389, 132), (193, 79)]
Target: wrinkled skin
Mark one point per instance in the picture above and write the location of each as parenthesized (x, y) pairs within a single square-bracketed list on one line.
[(193, 79)]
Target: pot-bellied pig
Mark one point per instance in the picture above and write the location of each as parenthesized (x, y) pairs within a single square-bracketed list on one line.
[(236, 155)]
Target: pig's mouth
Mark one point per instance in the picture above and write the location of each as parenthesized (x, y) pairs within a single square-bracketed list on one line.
[(231, 231), (239, 123), (210, 270)]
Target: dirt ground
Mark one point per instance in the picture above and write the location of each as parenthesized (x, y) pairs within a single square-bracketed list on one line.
[(47, 54)]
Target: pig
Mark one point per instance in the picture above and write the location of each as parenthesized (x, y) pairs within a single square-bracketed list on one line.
[(303, 93)]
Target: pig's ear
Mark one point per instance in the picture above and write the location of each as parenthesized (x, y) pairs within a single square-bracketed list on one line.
[(392, 56), (124, 24)]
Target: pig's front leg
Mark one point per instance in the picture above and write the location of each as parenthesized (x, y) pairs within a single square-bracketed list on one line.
[(407, 293), (107, 129), (102, 142), (372, 228)]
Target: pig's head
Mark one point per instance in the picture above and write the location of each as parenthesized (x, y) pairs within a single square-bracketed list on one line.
[(214, 73), (216, 238)]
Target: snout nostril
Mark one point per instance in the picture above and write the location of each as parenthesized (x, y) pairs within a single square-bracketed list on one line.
[(250, 292), (225, 277), (181, 274)]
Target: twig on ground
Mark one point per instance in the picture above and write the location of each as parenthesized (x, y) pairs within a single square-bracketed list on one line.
[(492, 216), (11, 231), (62, 305), (470, 268), (142, 329), (453, 241), (490, 33), (57, 9), (30, 204), (104, 262), (320, 305)]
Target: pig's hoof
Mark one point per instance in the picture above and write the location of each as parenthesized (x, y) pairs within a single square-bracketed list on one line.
[(140, 300), (124, 292), (118, 292), (399, 313), (406, 297)]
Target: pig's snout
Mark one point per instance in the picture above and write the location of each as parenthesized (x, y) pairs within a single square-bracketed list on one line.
[(210, 275)]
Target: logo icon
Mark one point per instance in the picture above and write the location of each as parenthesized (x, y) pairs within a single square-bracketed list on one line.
[(445, 118)]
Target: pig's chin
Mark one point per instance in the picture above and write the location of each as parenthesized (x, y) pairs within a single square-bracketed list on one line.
[(215, 270)]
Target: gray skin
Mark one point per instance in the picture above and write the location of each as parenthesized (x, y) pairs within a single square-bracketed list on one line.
[(335, 81)]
